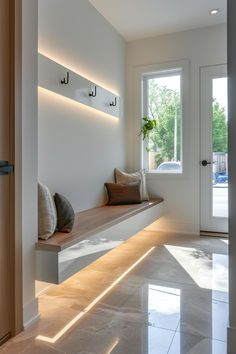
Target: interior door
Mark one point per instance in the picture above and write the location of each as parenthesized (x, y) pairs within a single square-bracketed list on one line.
[(214, 149), (5, 171)]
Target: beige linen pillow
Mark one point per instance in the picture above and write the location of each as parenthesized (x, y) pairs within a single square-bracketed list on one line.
[(126, 178), (47, 214)]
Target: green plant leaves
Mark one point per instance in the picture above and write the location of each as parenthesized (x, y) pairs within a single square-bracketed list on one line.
[(148, 126)]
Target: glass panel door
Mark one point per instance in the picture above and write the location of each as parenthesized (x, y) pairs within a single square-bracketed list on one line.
[(220, 147), (214, 149)]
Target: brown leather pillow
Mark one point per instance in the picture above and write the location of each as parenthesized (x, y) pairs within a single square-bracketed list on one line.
[(119, 194)]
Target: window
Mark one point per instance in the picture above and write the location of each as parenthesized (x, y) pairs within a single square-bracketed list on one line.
[(162, 101)]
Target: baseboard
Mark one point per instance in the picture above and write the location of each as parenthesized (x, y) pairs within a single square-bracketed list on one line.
[(231, 340), (214, 234), (32, 321), (5, 339), (30, 313)]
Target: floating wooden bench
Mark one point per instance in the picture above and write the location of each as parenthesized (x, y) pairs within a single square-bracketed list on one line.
[(95, 232)]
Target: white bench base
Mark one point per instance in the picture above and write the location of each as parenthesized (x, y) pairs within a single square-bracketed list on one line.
[(55, 266)]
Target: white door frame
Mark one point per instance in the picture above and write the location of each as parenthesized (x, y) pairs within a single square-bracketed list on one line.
[(208, 221)]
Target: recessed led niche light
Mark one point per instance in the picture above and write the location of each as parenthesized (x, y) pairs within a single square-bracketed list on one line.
[(214, 11)]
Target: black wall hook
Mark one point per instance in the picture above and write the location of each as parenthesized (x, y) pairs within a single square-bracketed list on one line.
[(66, 80), (113, 104), (93, 93)]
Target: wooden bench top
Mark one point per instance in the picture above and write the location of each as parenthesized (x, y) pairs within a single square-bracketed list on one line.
[(92, 221)]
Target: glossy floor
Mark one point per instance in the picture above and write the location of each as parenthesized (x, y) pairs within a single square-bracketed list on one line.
[(157, 293)]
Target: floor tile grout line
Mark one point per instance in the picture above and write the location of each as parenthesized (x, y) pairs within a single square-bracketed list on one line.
[(164, 328), (187, 284), (181, 283), (172, 341), (176, 331)]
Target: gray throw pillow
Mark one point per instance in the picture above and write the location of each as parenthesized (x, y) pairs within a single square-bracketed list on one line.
[(65, 213), (121, 194), (47, 215)]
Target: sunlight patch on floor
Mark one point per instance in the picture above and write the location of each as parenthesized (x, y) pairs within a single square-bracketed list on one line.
[(208, 271)]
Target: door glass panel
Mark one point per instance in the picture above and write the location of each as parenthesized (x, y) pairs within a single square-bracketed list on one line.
[(220, 147)]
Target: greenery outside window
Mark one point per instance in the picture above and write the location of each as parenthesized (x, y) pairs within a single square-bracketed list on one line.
[(162, 101)]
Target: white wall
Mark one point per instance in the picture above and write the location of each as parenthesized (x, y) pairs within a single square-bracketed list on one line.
[(78, 148), (202, 47), (28, 147), (232, 174)]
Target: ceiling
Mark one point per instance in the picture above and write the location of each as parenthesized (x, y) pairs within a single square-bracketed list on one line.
[(136, 19)]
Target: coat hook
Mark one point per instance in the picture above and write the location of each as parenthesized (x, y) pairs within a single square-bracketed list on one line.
[(113, 104), (66, 80), (93, 93)]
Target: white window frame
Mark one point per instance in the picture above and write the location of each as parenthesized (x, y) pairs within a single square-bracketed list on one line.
[(145, 79), (156, 70)]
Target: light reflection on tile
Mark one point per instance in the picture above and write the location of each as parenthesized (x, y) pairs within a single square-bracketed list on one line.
[(208, 271), (219, 320), (201, 315), (225, 241), (163, 307), (159, 340), (220, 282)]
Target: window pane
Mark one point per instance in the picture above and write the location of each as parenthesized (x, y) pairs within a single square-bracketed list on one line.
[(220, 147), (164, 146)]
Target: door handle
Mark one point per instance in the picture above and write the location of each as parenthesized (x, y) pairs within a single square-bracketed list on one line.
[(205, 163), (5, 168)]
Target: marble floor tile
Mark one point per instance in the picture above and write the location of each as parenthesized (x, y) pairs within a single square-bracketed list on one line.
[(220, 296), (159, 340), (122, 292), (190, 265), (168, 270), (30, 346), (155, 305), (126, 337), (170, 305), (201, 315), (190, 344)]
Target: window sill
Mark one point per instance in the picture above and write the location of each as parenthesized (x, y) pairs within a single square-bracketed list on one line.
[(164, 175)]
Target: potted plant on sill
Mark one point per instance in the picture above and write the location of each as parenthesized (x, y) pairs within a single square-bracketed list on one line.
[(148, 126)]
